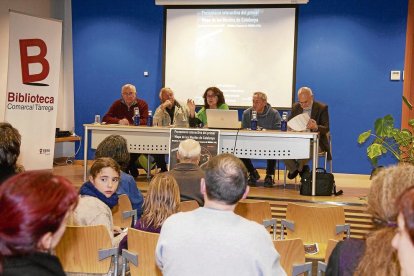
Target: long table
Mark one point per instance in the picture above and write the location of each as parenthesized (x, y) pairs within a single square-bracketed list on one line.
[(267, 144)]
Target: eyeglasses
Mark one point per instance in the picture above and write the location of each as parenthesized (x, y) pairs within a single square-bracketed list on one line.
[(128, 93), (211, 96)]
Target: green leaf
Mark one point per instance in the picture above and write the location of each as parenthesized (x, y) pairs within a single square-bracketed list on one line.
[(407, 103), (384, 126), (364, 136), (375, 150), (403, 138), (411, 122)]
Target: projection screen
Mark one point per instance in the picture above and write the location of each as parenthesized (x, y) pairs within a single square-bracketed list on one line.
[(239, 50)]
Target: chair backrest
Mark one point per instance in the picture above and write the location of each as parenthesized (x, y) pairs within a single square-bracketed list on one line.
[(291, 252), (143, 243), (254, 210), (315, 223), (124, 204), (79, 246), (188, 205)]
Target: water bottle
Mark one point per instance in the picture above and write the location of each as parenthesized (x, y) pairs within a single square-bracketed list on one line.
[(283, 125), (253, 121), (149, 120), (136, 118)]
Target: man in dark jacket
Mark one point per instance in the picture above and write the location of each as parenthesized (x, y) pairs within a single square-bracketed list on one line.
[(319, 122)]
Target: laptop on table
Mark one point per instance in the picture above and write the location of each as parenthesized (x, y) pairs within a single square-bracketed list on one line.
[(223, 119)]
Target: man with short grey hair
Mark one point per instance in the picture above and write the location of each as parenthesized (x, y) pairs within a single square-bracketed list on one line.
[(267, 118), (187, 172), (318, 122), (213, 240)]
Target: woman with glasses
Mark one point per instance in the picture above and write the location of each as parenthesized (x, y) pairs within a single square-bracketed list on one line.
[(213, 99)]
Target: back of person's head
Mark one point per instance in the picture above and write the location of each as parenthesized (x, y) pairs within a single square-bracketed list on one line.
[(10, 141), (225, 178), (32, 204), (103, 162), (115, 147), (386, 187), (189, 150), (217, 92), (405, 206), (162, 200)]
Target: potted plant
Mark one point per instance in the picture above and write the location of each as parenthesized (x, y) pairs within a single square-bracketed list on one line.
[(388, 139)]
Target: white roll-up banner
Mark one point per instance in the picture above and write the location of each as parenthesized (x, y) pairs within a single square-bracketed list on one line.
[(32, 86)]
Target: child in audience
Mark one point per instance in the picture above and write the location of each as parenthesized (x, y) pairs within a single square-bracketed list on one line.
[(374, 256), (403, 240), (115, 147), (34, 208), (97, 197), (162, 200)]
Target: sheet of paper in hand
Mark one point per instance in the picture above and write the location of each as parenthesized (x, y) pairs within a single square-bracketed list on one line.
[(299, 122)]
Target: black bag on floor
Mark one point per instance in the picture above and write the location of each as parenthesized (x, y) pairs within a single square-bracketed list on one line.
[(325, 183)]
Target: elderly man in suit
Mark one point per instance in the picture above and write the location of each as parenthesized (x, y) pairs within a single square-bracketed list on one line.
[(319, 122)]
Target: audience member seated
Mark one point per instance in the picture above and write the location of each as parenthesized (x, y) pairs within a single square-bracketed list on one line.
[(10, 141), (374, 255), (122, 111), (403, 240), (213, 240), (115, 147), (97, 197), (187, 172), (34, 209), (319, 122), (267, 118), (162, 200), (213, 99)]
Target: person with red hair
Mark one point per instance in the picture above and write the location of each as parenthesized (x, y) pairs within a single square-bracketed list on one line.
[(34, 209), (403, 240)]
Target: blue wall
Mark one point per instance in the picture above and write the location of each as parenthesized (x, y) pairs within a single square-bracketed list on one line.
[(346, 50)]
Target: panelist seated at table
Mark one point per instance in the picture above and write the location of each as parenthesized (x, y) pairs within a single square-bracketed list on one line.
[(267, 118), (319, 122), (213, 99), (122, 111), (170, 112)]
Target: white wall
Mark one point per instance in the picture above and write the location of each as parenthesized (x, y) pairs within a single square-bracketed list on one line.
[(58, 9)]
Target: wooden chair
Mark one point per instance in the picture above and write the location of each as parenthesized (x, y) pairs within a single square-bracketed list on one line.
[(141, 253), (122, 214), (85, 249), (322, 265), (292, 256), (315, 224), (189, 205), (258, 211)]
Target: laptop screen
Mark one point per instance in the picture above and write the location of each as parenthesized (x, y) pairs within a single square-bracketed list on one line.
[(220, 118)]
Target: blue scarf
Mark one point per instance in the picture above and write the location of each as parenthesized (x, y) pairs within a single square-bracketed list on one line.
[(90, 190)]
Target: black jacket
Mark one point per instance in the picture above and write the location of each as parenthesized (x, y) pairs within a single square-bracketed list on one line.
[(321, 115), (34, 264)]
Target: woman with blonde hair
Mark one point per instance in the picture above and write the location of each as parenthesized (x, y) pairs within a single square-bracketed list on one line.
[(375, 256), (162, 200)]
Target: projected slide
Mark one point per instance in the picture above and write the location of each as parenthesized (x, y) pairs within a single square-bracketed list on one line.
[(238, 50)]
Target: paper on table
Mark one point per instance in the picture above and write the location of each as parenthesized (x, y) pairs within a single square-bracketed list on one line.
[(299, 122)]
